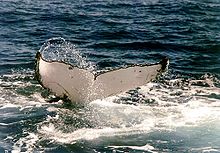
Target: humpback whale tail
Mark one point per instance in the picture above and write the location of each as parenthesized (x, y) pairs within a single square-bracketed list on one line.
[(81, 85)]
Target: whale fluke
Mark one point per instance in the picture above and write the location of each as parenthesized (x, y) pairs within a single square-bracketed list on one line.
[(81, 85)]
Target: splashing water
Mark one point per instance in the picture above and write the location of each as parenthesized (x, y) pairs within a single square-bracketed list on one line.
[(58, 49), (172, 106), (177, 114), (155, 114)]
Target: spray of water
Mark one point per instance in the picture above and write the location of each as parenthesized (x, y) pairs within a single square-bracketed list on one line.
[(58, 49), (160, 106), (165, 105)]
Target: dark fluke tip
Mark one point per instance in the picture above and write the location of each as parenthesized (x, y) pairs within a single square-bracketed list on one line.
[(164, 62), (37, 74), (38, 55)]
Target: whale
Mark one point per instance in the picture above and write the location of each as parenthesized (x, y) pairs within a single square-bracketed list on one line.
[(80, 85)]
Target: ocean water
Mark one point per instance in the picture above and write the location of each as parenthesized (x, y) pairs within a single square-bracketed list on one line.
[(178, 112)]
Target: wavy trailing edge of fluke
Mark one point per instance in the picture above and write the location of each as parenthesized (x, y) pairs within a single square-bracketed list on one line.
[(80, 85)]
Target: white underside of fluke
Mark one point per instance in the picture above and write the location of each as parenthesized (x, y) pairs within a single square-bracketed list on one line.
[(80, 85)]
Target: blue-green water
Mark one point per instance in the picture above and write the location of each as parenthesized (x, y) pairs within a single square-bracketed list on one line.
[(180, 112)]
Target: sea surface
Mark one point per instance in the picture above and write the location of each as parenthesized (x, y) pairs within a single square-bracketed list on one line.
[(177, 112)]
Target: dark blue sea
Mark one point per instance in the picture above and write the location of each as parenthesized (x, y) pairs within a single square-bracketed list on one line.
[(177, 112)]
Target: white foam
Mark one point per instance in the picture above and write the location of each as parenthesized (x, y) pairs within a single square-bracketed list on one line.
[(169, 112), (11, 83), (26, 144), (172, 107), (205, 149), (9, 105), (10, 99), (146, 147), (50, 132)]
